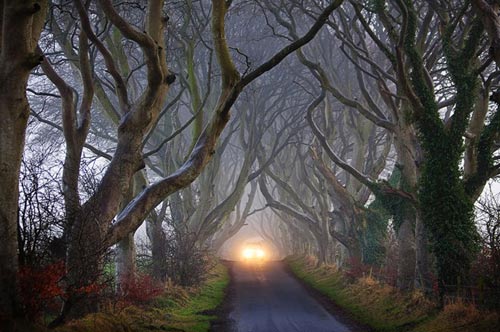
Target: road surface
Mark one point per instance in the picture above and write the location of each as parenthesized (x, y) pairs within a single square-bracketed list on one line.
[(267, 299)]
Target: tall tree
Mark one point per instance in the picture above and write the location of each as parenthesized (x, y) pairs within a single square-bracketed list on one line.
[(21, 23), (99, 219)]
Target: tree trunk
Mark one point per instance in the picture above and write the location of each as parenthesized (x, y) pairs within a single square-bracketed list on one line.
[(14, 116), (158, 249), (84, 264), (125, 261), (406, 262), (20, 25), (422, 275), (322, 242), (409, 159)]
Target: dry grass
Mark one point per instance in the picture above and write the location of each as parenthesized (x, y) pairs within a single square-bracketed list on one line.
[(177, 309), (386, 309), (463, 317), (372, 303)]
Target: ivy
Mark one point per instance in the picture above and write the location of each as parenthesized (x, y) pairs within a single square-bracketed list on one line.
[(376, 6), (374, 233), (379, 212), (446, 210)]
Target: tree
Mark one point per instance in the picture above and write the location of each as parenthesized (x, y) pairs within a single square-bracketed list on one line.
[(447, 104), (366, 94), (20, 26), (98, 218)]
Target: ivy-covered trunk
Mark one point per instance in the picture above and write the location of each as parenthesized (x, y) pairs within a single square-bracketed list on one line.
[(445, 208), (448, 214), (422, 274)]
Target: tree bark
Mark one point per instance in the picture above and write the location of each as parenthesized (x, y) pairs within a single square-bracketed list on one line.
[(21, 23), (422, 274), (125, 261), (411, 247), (407, 259), (158, 249)]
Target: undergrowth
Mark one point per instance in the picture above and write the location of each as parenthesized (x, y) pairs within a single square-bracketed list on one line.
[(386, 309), (176, 309)]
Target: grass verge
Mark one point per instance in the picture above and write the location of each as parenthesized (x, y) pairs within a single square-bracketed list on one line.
[(386, 309), (178, 309)]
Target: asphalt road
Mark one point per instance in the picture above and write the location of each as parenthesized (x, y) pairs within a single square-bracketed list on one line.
[(267, 299)]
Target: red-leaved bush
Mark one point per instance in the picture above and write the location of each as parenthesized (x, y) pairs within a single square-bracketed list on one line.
[(40, 288), (139, 289)]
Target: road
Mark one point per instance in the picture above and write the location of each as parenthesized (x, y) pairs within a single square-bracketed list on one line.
[(267, 299)]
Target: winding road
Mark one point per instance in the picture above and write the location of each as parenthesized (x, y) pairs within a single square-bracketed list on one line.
[(267, 299)]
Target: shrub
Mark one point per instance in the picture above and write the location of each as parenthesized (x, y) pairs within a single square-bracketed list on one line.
[(40, 288), (188, 264), (139, 289)]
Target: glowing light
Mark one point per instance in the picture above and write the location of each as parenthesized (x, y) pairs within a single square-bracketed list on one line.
[(248, 253), (252, 253)]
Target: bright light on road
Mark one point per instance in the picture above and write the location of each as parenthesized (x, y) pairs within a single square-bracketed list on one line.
[(248, 253), (252, 253)]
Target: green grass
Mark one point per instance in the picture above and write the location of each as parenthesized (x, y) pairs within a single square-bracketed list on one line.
[(369, 303), (387, 310), (177, 310), (191, 316)]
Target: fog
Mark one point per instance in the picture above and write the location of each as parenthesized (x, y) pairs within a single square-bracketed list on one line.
[(162, 135)]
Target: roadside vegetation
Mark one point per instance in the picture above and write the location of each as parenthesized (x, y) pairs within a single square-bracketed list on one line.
[(174, 309), (385, 308), (139, 137)]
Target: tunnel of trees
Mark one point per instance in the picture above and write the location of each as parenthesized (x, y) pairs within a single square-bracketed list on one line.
[(139, 137)]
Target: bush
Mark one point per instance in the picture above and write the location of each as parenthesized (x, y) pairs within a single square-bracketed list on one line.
[(187, 263), (139, 289), (40, 288)]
